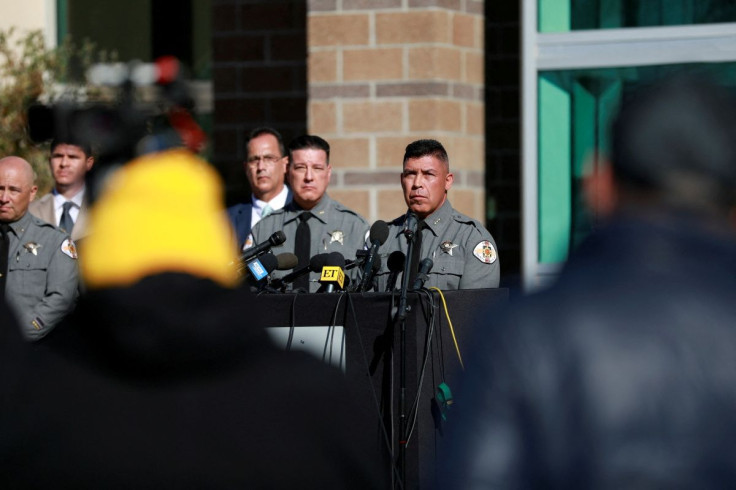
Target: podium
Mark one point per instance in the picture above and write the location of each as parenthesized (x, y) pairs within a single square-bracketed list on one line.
[(361, 336)]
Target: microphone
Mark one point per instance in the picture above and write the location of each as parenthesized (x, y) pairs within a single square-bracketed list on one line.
[(332, 273), (315, 264), (411, 222), (378, 236), (260, 268), (395, 264), (286, 261), (276, 239), (424, 267), (360, 256), (376, 267)]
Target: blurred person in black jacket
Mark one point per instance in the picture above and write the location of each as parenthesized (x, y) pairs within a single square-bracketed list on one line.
[(162, 378), (623, 373)]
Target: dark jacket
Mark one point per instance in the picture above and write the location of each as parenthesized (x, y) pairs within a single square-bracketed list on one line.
[(170, 384), (240, 217), (622, 375)]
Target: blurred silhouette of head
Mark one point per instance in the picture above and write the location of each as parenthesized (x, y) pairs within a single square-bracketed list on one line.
[(674, 142)]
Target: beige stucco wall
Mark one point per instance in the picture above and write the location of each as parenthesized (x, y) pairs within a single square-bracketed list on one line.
[(26, 15)]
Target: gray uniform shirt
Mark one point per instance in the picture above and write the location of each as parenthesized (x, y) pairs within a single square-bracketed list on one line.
[(42, 281), (463, 251), (334, 228)]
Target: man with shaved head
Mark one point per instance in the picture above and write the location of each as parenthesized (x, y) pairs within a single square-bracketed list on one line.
[(38, 263)]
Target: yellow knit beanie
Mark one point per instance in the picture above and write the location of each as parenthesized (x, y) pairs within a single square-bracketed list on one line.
[(162, 212)]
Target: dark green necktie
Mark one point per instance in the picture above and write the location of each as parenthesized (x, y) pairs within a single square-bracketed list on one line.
[(67, 223)]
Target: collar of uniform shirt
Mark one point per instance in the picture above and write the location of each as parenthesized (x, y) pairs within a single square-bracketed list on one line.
[(17, 227), (439, 219), (320, 211)]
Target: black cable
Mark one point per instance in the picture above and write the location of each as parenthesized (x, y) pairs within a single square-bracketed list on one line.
[(414, 410), (331, 334), (292, 323)]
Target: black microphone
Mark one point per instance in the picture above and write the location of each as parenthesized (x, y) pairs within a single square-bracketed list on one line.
[(276, 239), (376, 267), (422, 274), (411, 222), (395, 264), (315, 264), (378, 236), (360, 257), (333, 276), (261, 267)]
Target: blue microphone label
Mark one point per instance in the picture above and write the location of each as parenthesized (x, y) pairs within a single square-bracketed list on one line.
[(257, 269)]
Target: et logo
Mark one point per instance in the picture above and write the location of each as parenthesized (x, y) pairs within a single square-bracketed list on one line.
[(333, 274)]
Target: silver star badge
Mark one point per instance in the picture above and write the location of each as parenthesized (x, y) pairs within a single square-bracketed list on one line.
[(32, 247), (337, 236), (447, 247)]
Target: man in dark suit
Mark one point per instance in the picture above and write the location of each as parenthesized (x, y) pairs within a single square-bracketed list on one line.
[(265, 167)]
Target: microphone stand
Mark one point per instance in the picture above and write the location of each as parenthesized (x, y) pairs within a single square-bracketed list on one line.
[(402, 312)]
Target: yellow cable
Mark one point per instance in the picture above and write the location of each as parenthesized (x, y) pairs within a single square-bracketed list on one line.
[(452, 330)]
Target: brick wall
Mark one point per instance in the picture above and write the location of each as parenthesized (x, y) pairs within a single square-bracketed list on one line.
[(383, 73), (503, 127), (371, 76), (259, 78)]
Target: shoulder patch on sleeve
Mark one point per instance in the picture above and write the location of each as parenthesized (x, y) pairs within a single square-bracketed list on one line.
[(485, 252), (68, 248)]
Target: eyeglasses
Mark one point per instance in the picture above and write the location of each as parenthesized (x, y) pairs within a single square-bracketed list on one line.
[(269, 160)]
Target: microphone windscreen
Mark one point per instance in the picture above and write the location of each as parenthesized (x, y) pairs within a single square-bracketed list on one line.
[(377, 263), (277, 238), (286, 261), (426, 265), (317, 262), (379, 232), (410, 224), (336, 259), (396, 261), (269, 262)]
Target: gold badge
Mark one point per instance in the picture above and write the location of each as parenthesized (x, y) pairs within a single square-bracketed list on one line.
[(448, 247), (337, 236), (32, 247)]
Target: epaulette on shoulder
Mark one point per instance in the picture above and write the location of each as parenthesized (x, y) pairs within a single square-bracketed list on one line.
[(48, 226), (343, 209), (45, 224), (462, 218)]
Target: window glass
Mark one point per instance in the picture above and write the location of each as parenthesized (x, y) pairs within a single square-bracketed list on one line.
[(574, 111), (143, 29), (567, 15)]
